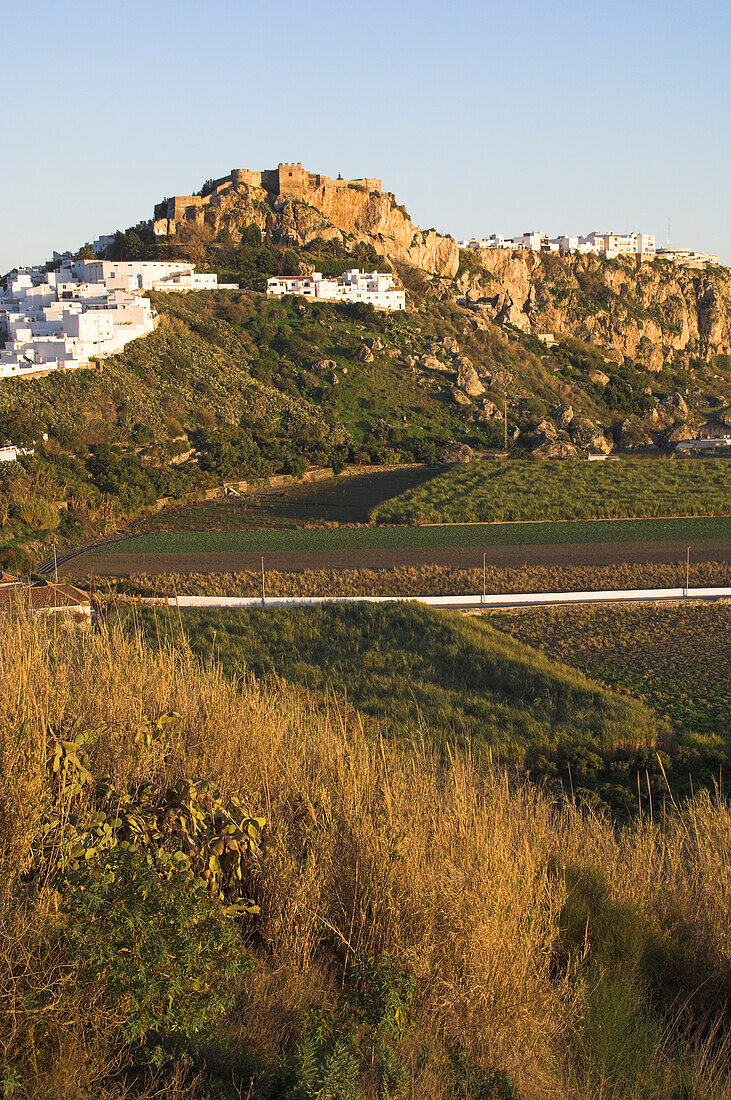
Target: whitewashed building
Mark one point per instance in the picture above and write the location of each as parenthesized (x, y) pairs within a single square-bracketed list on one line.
[(376, 288), (689, 256), (610, 245), (70, 318)]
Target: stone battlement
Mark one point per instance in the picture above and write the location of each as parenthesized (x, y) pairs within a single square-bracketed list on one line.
[(286, 181)]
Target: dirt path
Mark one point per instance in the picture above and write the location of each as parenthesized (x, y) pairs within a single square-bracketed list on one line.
[(601, 553)]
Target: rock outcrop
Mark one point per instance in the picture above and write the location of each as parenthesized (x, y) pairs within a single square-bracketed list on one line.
[(456, 454), (557, 448), (652, 313), (589, 436), (309, 206), (467, 377)]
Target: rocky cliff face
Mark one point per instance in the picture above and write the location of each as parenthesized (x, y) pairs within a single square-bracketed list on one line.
[(349, 214), (653, 314)]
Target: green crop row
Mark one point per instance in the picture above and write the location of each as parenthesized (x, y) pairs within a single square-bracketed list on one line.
[(442, 536)]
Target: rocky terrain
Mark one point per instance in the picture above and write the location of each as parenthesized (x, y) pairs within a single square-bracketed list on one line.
[(656, 313)]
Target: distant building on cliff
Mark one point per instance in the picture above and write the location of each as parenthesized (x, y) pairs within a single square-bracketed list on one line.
[(286, 181), (374, 287), (687, 256), (610, 245)]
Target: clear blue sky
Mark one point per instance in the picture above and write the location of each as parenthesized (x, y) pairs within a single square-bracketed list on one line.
[(480, 116)]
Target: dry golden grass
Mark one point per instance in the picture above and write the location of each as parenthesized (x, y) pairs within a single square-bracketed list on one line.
[(425, 580), (461, 875)]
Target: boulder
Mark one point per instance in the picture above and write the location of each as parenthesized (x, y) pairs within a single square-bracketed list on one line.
[(375, 343), (364, 354), (467, 378), (457, 454), (677, 402), (599, 377), (563, 415), (546, 429), (589, 436), (450, 344), (634, 435), (325, 364), (491, 410), (430, 362), (678, 434), (556, 448), (460, 398)]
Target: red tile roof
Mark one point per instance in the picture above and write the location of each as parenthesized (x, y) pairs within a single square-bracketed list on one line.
[(41, 594)]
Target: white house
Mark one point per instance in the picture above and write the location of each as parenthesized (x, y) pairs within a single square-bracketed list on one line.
[(374, 287), (134, 275), (687, 256)]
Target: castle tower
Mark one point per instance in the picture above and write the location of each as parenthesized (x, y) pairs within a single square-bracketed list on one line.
[(293, 180)]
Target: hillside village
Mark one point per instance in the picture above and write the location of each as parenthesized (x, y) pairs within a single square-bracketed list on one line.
[(72, 317), (637, 246)]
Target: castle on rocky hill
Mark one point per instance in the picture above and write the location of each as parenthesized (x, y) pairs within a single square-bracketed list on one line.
[(286, 181)]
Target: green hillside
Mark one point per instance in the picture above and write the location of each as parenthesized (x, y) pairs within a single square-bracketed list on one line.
[(233, 385)]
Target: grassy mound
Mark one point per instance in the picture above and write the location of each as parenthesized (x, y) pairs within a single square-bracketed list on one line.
[(573, 489), (425, 926), (420, 673)]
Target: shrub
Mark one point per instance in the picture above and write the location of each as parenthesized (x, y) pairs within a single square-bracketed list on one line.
[(36, 512), (164, 953)]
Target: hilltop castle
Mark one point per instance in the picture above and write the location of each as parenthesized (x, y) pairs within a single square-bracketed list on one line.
[(286, 181)]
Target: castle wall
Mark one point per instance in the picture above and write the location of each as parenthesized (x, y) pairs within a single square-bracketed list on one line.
[(291, 181)]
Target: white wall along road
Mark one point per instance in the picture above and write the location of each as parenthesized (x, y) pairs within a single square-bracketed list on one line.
[(450, 603)]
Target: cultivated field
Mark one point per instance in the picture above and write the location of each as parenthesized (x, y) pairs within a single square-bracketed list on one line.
[(424, 580), (471, 535), (677, 657), (488, 491), (347, 498), (599, 543)]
